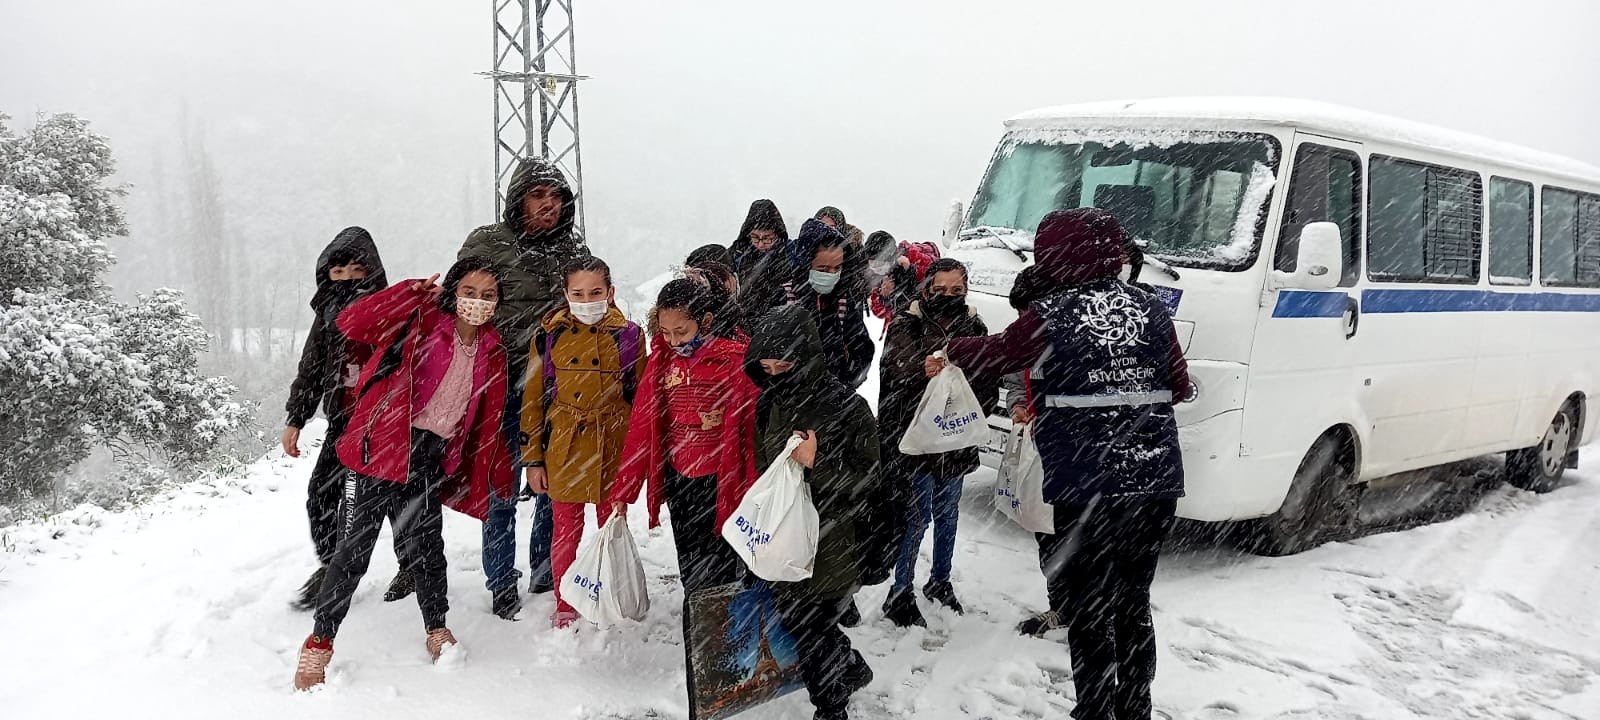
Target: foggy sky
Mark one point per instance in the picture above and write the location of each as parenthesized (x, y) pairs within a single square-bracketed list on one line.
[(326, 113)]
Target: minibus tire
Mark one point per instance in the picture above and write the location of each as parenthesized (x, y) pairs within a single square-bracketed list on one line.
[(1298, 524), (1540, 468)]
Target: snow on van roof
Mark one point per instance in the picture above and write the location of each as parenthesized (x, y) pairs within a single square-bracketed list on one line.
[(1203, 112)]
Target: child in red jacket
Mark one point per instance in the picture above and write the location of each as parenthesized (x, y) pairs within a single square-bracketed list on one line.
[(425, 432), (691, 437)]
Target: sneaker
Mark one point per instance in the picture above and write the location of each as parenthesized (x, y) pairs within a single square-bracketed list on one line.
[(860, 673), (312, 668), (563, 619), (438, 640), (400, 587), (311, 590), (944, 593), (901, 609), (1038, 625), (851, 616), (540, 586), (831, 714), (507, 604)]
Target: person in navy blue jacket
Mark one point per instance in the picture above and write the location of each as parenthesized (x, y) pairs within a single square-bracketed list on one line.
[(1107, 370)]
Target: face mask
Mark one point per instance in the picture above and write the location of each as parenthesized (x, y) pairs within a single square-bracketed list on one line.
[(474, 310), (880, 268), (590, 313), (945, 306), (824, 282), (687, 349), (1126, 273)]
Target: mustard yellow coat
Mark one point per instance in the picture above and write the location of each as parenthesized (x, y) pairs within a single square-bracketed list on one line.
[(577, 431)]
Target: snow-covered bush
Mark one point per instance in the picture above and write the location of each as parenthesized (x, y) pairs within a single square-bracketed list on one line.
[(78, 369)]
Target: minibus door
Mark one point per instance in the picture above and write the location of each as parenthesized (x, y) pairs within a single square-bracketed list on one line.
[(1301, 365)]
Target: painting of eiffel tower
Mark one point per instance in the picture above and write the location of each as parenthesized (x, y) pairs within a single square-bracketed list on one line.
[(740, 656)]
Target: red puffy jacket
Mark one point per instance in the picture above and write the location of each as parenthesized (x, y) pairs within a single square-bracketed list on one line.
[(377, 442), (921, 255), (719, 364)]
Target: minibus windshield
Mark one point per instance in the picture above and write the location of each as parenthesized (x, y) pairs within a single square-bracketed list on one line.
[(1195, 201)]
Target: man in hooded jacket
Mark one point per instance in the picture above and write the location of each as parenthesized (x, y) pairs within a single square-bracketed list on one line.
[(535, 238), (1109, 370), (799, 396), (329, 364)]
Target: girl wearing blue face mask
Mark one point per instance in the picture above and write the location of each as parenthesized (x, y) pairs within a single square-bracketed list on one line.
[(828, 279), (691, 438)]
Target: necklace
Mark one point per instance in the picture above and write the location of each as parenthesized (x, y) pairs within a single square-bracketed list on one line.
[(471, 350)]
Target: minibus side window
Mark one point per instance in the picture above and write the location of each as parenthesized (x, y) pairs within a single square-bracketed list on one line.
[(1326, 187), (1426, 222), (1569, 239), (1510, 232)]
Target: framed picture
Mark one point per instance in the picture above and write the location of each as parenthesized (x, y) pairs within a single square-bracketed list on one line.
[(739, 655)]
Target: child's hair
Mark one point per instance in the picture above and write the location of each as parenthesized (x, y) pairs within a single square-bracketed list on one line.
[(713, 272), (943, 265), (877, 242), (710, 253), (587, 263), (345, 256), (452, 279), (689, 296)]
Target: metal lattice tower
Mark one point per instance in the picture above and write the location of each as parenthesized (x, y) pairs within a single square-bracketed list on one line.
[(536, 91)]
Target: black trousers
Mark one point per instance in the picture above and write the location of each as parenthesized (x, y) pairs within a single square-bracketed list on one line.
[(704, 558), (325, 497), (1098, 568), (418, 527), (827, 662)]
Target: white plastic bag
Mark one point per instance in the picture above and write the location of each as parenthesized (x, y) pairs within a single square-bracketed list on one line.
[(606, 583), (775, 526), (1019, 484), (949, 417)]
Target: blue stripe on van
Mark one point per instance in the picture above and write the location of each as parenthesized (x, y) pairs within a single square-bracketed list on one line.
[(1309, 304)]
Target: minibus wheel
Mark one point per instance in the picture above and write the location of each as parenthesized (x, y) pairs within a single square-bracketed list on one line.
[(1298, 524), (1540, 467)]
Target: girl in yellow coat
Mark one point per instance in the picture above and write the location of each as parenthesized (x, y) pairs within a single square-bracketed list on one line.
[(583, 372)]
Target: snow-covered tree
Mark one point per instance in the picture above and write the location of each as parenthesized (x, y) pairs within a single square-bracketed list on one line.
[(78, 369)]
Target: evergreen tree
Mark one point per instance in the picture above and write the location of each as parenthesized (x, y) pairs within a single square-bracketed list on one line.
[(78, 369)]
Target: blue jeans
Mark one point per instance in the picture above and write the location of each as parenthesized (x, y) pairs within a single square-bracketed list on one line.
[(500, 527), (937, 500)]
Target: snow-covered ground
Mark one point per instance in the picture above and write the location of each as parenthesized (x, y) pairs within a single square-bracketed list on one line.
[(180, 610)]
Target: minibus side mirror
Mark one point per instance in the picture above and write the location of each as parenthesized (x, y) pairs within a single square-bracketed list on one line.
[(952, 223), (1320, 262)]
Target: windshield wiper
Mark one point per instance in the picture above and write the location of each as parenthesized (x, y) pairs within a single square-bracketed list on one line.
[(1000, 234), (1163, 267)]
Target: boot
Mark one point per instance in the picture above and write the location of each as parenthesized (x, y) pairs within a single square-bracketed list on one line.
[(312, 668), (940, 591), (851, 616), (438, 640), (310, 590), (400, 587), (506, 603), (563, 619), (1040, 624), (901, 609), (540, 586)]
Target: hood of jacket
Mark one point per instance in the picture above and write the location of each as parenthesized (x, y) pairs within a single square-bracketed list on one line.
[(359, 242), (763, 214), (531, 173), (1073, 247), (808, 389), (801, 251)]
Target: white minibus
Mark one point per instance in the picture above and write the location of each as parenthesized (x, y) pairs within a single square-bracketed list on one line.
[(1358, 296)]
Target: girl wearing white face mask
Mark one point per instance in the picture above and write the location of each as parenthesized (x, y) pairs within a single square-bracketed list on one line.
[(827, 278), (425, 433), (584, 362)]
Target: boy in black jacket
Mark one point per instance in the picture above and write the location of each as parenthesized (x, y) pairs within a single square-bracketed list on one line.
[(347, 269)]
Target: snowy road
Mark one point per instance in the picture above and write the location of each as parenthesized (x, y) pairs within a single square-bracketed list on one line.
[(180, 610)]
